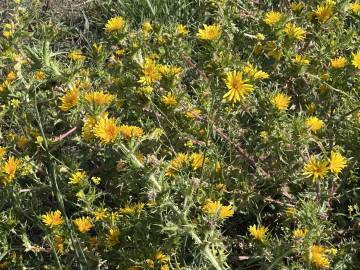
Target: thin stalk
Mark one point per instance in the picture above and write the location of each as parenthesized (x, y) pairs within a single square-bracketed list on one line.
[(78, 250)]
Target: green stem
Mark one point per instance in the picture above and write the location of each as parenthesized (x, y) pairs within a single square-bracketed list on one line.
[(51, 167)]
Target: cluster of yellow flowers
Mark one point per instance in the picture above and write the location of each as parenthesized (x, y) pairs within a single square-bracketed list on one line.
[(316, 168)]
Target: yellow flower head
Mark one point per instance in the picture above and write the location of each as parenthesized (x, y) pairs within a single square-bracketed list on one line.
[(161, 257), (106, 129), (39, 75), (301, 60), (217, 209), (147, 27), (209, 33), (169, 100), (355, 7), (10, 168), (182, 30), (2, 151), (297, 6), (83, 224), (315, 168), (52, 219), (151, 72), (281, 101), (197, 160), (258, 232), (314, 124), (11, 76), (88, 127), (77, 177), (300, 233), (70, 99), (170, 71), (336, 162), (295, 32), (272, 17), (76, 55), (176, 164), (318, 256), (114, 24), (193, 114), (101, 214), (131, 131), (324, 11), (112, 238), (338, 63), (253, 73), (99, 98), (237, 86), (356, 59)]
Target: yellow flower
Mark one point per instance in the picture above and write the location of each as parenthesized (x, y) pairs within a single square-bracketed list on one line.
[(281, 101), (258, 232), (315, 168), (339, 62), (300, 60), (209, 33), (272, 17), (336, 162), (131, 131), (39, 75), (151, 73), (160, 256), (169, 71), (193, 114), (197, 160), (253, 73), (217, 209), (297, 6), (324, 11), (164, 267), (2, 151), (52, 219), (127, 210), (112, 238), (314, 124), (99, 98), (355, 7), (11, 76), (147, 27), (83, 224), (182, 30), (300, 233), (106, 129), (176, 164), (88, 127), (10, 167), (318, 256), (76, 55), (293, 31), (169, 100), (77, 177), (237, 86), (96, 180), (70, 99), (101, 214), (114, 24), (356, 59)]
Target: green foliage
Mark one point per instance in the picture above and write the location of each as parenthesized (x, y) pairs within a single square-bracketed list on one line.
[(160, 134)]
